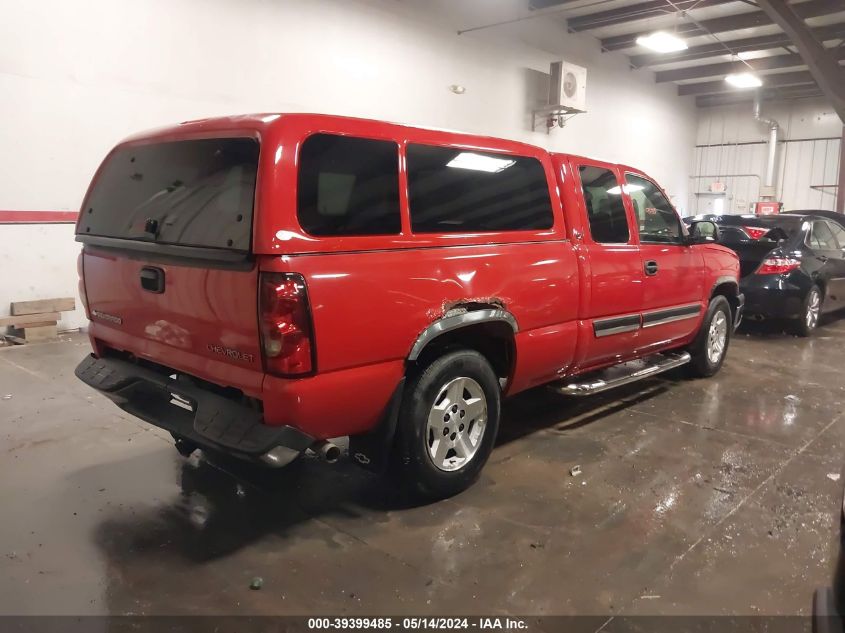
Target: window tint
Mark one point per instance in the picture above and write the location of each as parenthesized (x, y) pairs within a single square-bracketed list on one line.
[(821, 237), (656, 218), (838, 233), (191, 193), (348, 186), (454, 191), (605, 209), (731, 235)]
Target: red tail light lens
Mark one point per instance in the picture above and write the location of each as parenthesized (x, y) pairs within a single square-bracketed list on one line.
[(285, 319), (83, 293), (778, 265), (755, 232)]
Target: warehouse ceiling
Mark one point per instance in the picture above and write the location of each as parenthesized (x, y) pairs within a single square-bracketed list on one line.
[(723, 37)]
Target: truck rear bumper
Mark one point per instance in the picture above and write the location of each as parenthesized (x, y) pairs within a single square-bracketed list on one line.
[(190, 411)]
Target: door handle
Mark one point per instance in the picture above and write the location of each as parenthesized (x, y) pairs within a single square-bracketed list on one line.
[(152, 279), (821, 258), (651, 267)]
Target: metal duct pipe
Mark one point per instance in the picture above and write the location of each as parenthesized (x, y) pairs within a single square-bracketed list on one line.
[(772, 146)]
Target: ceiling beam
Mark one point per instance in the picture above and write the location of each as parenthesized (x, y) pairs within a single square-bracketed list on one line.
[(547, 4), (809, 9), (728, 98), (776, 62), (826, 70), (639, 11), (744, 45), (802, 77)]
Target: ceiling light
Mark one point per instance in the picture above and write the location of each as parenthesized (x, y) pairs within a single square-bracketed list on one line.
[(479, 162), (662, 42), (744, 80), (748, 55)]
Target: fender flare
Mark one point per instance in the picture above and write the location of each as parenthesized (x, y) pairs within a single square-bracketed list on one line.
[(738, 297), (452, 322), (725, 279), (372, 450)]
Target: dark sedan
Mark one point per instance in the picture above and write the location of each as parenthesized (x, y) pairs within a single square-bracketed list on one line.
[(792, 266)]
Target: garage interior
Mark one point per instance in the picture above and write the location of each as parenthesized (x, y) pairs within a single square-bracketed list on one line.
[(664, 497)]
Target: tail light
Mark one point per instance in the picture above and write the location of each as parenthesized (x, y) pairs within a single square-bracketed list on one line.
[(83, 293), (285, 320), (778, 265), (755, 232)]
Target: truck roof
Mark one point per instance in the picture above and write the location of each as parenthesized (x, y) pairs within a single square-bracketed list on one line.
[(268, 122)]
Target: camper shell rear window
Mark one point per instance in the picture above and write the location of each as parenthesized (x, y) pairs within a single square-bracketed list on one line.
[(197, 193)]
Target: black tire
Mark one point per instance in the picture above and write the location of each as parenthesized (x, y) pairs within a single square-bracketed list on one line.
[(414, 465), (703, 364), (807, 323)]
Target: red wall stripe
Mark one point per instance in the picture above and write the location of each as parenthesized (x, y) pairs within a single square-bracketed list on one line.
[(38, 217)]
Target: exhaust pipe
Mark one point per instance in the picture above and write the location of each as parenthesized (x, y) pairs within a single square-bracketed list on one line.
[(771, 147), (326, 451)]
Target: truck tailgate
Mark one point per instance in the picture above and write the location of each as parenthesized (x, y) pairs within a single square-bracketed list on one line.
[(204, 322), (166, 265)]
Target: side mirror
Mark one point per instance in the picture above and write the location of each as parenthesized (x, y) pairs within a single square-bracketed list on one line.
[(704, 232)]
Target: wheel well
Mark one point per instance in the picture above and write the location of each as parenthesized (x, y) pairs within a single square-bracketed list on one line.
[(493, 340), (729, 291)]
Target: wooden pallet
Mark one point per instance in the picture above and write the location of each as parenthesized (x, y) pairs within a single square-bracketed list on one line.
[(35, 320)]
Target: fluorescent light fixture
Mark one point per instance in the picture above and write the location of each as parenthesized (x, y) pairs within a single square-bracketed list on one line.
[(748, 55), (615, 191), (744, 80), (662, 42), (479, 162)]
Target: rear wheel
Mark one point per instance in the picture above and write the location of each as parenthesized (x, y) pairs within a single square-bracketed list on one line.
[(447, 425), (809, 320), (710, 347)]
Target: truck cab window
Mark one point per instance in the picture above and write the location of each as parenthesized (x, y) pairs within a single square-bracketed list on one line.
[(605, 209), (656, 218)]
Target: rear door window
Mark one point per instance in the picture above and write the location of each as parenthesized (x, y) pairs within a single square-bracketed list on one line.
[(821, 237), (838, 233), (191, 193), (348, 186), (605, 208), (456, 191), (657, 220)]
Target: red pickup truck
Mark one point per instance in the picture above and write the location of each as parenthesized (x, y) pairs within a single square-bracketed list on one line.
[(259, 285)]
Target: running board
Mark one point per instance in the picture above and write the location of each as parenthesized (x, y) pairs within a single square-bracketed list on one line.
[(621, 374)]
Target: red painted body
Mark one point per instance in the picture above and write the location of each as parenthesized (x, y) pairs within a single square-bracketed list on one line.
[(372, 296)]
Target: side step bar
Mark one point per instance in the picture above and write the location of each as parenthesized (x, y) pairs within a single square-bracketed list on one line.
[(621, 374)]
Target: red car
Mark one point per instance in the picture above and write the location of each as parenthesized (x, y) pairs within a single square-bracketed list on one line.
[(261, 284)]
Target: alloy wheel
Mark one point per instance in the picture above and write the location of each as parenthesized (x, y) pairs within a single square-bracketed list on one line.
[(717, 337), (456, 424)]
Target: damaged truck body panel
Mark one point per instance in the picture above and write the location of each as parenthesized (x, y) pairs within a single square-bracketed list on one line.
[(393, 283)]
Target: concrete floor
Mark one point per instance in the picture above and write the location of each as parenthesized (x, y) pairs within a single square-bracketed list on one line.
[(697, 497)]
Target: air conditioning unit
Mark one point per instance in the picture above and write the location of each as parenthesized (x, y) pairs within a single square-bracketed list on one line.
[(568, 86)]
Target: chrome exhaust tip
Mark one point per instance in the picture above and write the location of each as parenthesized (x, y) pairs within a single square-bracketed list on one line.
[(326, 451)]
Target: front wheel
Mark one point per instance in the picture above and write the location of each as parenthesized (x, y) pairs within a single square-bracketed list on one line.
[(809, 320), (710, 347), (447, 425)]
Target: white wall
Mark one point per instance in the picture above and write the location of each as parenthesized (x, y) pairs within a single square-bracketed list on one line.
[(39, 262), (76, 77), (809, 158)]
